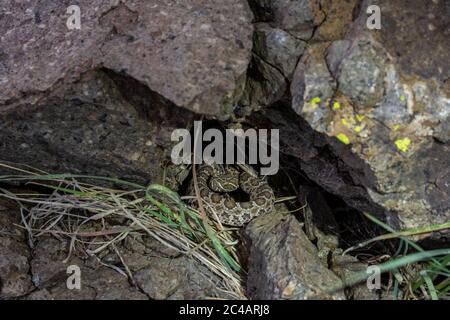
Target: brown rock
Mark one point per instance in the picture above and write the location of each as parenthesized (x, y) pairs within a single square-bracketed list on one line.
[(15, 280), (283, 263), (188, 52)]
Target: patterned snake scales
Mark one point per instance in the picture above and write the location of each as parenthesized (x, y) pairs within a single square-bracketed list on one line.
[(215, 181)]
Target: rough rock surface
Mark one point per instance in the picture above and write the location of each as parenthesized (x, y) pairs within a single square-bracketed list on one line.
[(346, 267), (49, 272), (298, 17), (162, 273), (15, 280), (104, 99), (187, 51), (313, 155), (96, 126), (283, 263), (157, 272), (41, 272), (393, 115), (278, 48)]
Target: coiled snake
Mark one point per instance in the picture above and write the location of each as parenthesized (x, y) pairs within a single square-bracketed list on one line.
[(215, 181)]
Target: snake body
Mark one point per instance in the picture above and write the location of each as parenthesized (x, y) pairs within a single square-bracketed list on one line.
[(216, 181)]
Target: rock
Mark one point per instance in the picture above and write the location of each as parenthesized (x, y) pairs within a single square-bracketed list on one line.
[(283, 263), (157, 272), (298, 17), (164, 274), (313, 87), (346, 267), (105, 283), (191, 54), (338, 19), (319, 162), (179, 278), (97, 126), (47, 264), (390, 118), (100, 284), (320, 223), (146, 246), (278, 48), (40, 295), (265, 85), (361, 73), (104, 100), (416, 34), (275, 55), (15, 280)]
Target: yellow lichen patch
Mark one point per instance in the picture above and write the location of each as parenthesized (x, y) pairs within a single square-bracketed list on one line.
[(396, 127), (343, 138), (336, 105), (402, 98), (315, 100), (346, 123), (358, 129), (403, 144), (360, 117)]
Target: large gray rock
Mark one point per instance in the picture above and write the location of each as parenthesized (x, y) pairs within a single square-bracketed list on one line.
[(278, 48), (338, 19), (392, 116), (298, 17), (283, 263), (191, 53), (105, 99), (98, 126), (313, 87), (275, 55), (416, 33)]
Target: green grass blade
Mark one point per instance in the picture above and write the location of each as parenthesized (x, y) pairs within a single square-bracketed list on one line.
[(429, 282), (408, 241), (396, 263), (222, 251)]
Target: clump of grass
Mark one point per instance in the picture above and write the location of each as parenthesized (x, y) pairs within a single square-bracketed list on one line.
[(83, 212), (414, 273)]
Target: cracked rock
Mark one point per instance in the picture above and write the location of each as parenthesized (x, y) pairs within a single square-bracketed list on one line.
[(298, 17), (313, 88), (391, 115), (361, 73), (283, 263), (278, 48), (191, 53)]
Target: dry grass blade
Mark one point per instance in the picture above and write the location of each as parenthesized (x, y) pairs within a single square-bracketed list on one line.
[(85, 214)]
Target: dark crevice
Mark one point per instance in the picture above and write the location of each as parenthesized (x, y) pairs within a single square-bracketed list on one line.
[(276, 69)]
